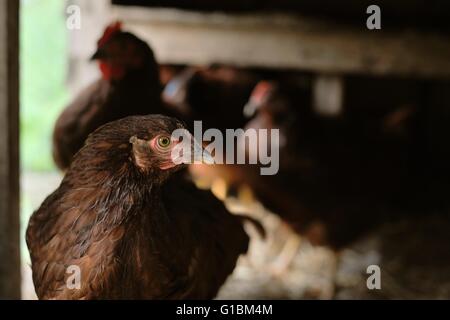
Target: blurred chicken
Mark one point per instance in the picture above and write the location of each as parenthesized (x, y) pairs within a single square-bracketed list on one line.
[(167, 72), (129, 85), (131, 223), (281, 105), (213, 95), (336, 177)]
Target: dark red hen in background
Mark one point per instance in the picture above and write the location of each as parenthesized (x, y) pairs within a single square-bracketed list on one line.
[(134, 227), (129, 86), (215, 95), (336, 175)]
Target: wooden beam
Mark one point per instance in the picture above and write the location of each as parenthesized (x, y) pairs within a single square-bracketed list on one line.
[(288, 41), (9, 151)]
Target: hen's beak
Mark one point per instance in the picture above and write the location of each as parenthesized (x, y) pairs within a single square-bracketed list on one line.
[(250, 109), (98, 55), (190, 151), (207, 157), (200, 154)]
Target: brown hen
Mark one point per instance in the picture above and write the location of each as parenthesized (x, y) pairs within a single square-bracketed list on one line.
[(339, 177), (131, 224), (129, 86)]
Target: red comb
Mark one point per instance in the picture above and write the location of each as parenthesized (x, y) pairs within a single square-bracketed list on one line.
[(109, 32)]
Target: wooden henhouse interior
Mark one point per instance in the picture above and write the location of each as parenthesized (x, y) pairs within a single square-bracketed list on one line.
[(363, 116)]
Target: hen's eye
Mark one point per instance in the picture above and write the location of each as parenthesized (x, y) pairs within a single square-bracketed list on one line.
[(164, 142)]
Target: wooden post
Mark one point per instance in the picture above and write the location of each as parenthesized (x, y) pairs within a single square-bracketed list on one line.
[(9, 151), (328, 91)]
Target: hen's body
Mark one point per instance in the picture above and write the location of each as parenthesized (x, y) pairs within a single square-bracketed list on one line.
[(336, 177), (338, 189), (100, 103), (131, 235)]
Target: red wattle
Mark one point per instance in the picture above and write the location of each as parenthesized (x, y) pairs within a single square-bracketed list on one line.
[(110, 72)]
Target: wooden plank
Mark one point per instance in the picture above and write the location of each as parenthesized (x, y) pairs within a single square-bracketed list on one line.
[(288, 41), (9, 151), (399, 12)]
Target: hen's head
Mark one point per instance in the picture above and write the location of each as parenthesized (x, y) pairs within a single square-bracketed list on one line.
[(120, 53), (137, 147), (268, 98), (259, 98)]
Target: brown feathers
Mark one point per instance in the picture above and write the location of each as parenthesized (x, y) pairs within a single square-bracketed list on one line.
[(133, 234)]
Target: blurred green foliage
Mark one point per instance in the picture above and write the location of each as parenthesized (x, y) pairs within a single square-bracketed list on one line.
[(43, 94), (44, 64)]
